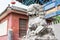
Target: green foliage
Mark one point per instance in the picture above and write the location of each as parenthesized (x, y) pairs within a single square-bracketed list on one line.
[(57, 19)]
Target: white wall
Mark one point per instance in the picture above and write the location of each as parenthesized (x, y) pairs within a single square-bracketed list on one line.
[(3, 28), (56, 29)]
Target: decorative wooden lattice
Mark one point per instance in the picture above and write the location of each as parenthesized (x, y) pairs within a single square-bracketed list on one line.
[(28, 2)]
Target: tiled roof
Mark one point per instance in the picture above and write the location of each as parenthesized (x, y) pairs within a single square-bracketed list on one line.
[(17, 6)]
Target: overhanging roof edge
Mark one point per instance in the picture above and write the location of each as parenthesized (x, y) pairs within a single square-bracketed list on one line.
[(52, 14)]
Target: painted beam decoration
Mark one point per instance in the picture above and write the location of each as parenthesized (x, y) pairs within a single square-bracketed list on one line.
[(3, 28), (53, 14)]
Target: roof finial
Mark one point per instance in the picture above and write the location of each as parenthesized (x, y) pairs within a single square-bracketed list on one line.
[(13, 2)]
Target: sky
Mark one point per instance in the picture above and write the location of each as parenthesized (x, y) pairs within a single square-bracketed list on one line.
[(4, 4)]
